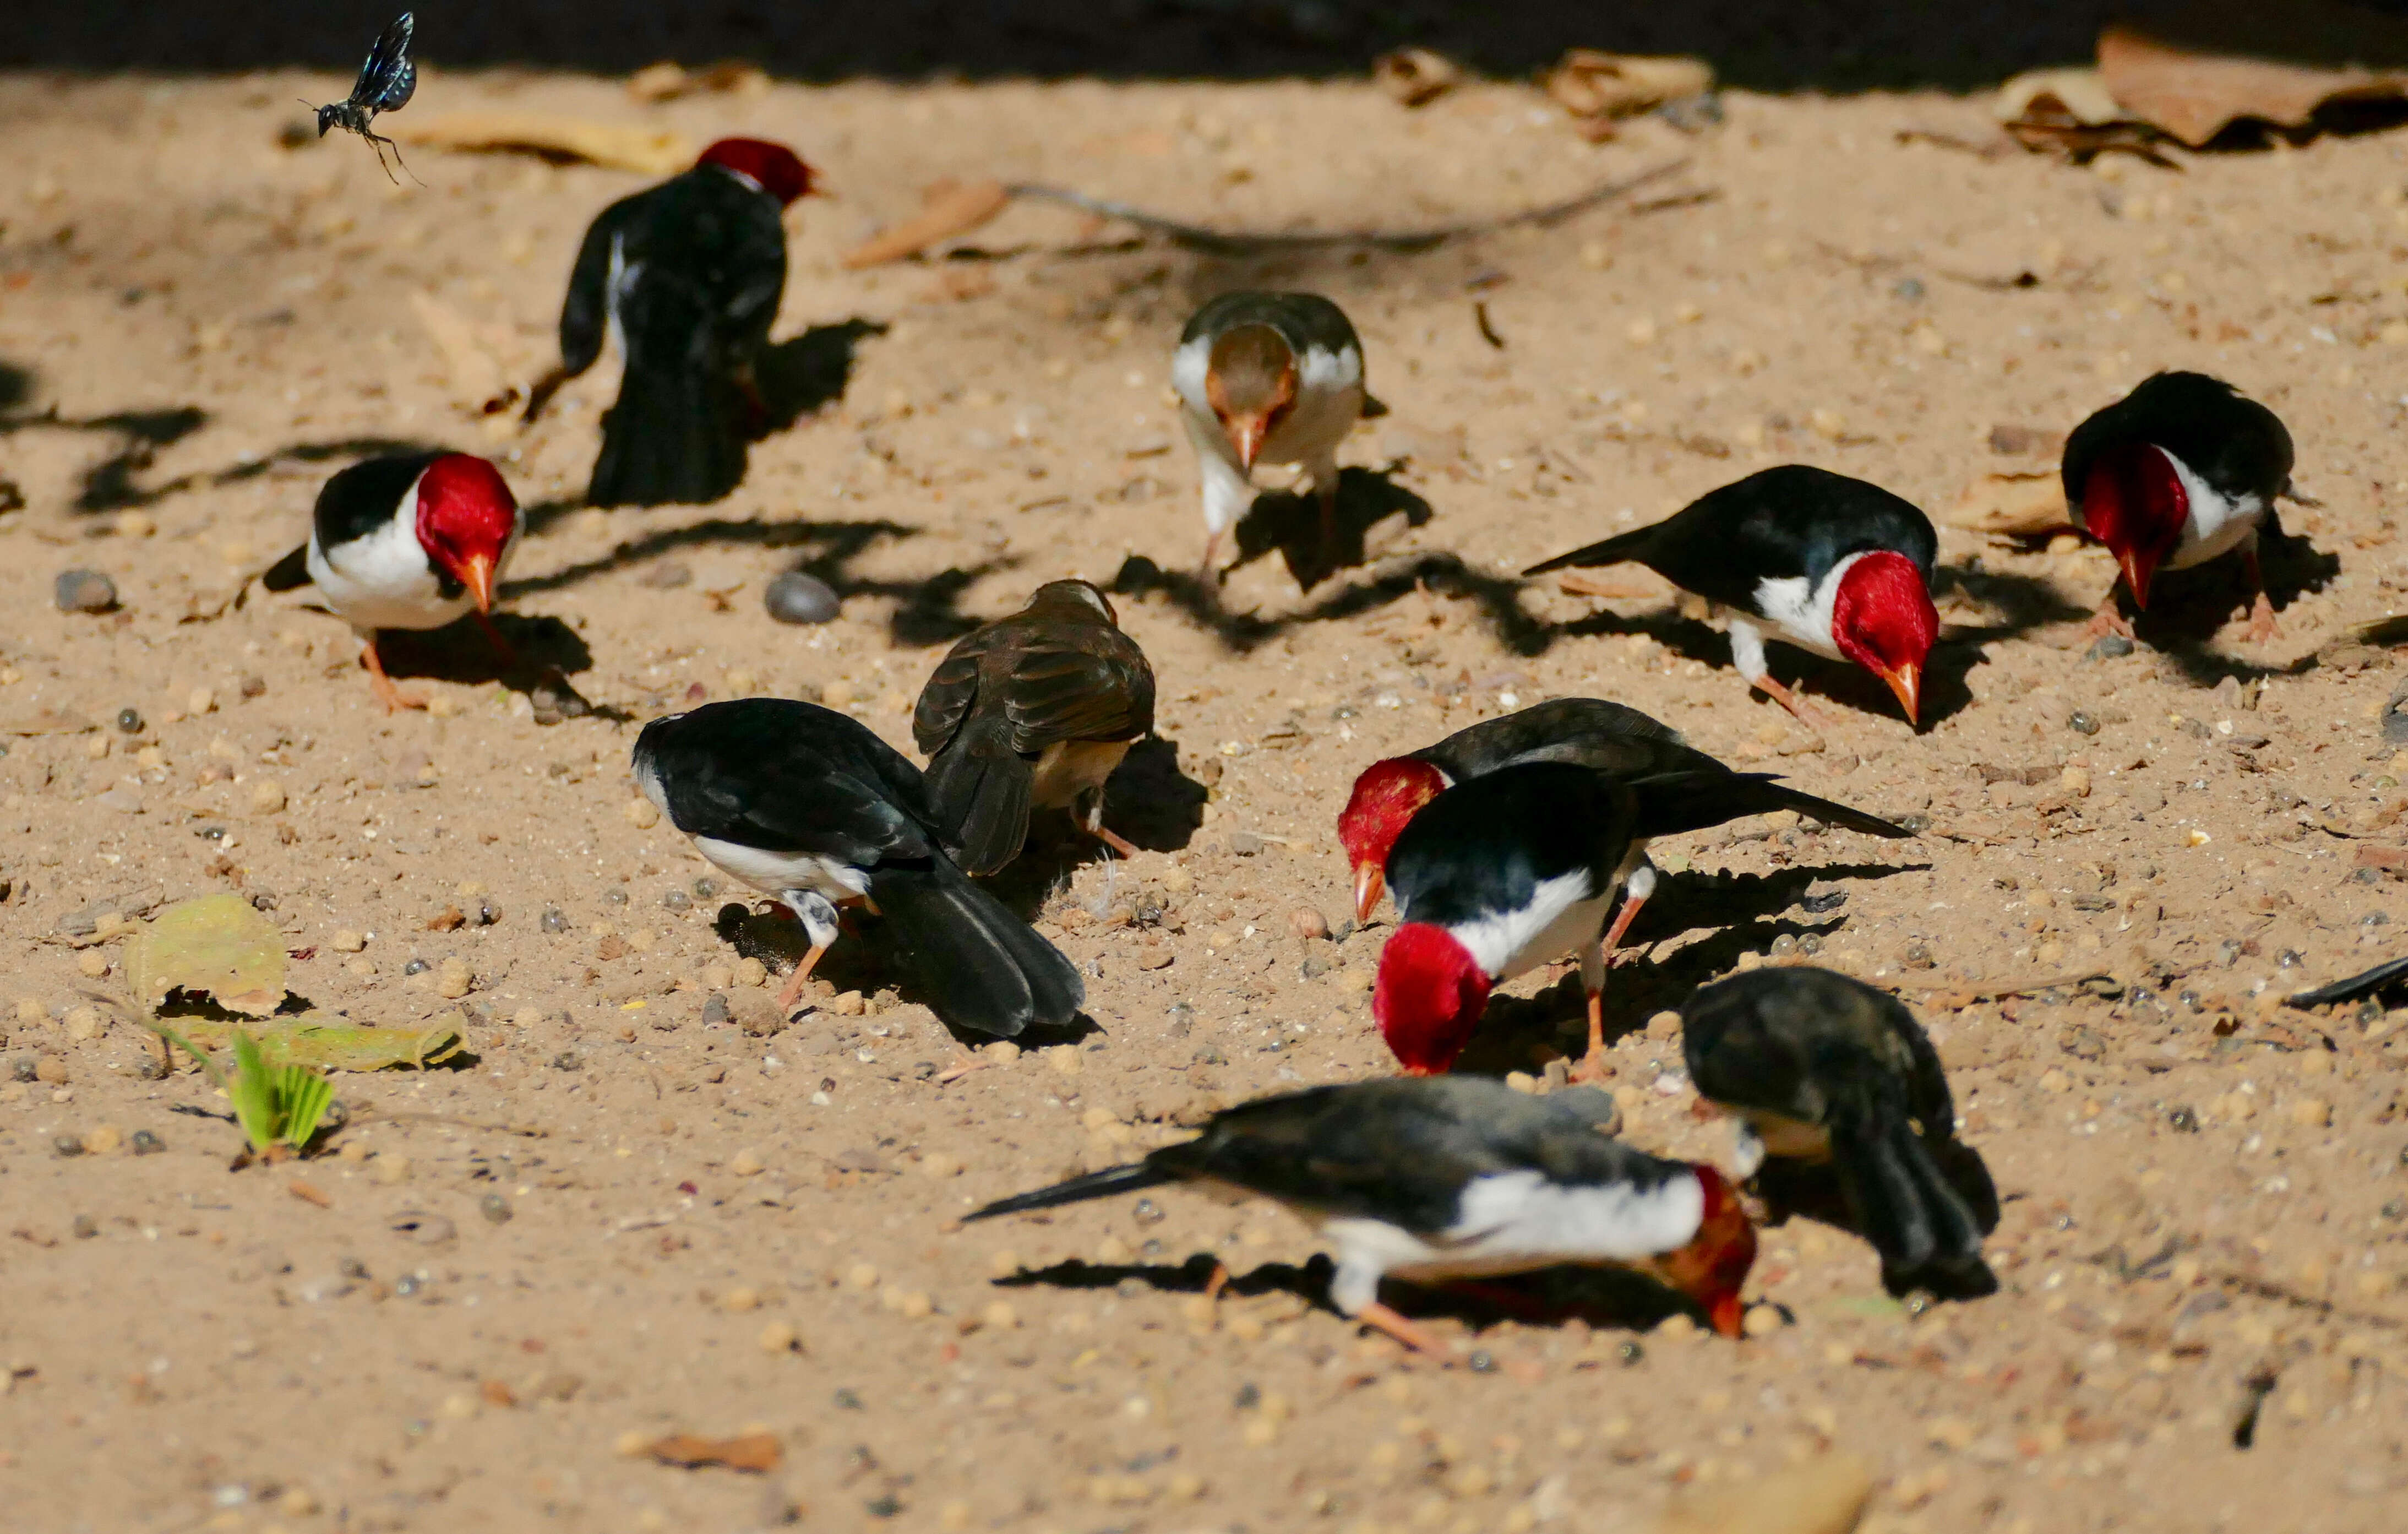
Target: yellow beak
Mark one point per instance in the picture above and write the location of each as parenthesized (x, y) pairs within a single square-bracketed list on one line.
[(1369, 884), (1907, 683), (477, 574)]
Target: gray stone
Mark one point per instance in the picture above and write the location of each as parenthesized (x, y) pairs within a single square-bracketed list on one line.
[(798, 597), (84, 591)]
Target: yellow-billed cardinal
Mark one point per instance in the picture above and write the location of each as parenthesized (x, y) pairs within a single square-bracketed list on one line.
[(410, 541), (1825, 1071), (1497, 875), (1831, 564), (1033, 710), (685, 279), (1678, 788), (1435, 1180), (2182, 469), (1270, 377), (805, 805)]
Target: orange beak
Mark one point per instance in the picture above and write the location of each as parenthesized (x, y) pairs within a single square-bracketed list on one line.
[(1907, 683), (1728, 1316), (1369, 884), (477, 574), (1246, 434), (2137, 572)]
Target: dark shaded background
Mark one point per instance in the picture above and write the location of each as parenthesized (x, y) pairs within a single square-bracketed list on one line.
[(1834, 45)]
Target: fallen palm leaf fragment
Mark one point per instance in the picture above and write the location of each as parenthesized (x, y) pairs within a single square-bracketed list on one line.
[(1596, 87), (1414, 77), (218, 945), (1826, 1495), (2013, 505), (652, 151), (2251, 69), (335, 1046), (946, 209), (758, 1452)]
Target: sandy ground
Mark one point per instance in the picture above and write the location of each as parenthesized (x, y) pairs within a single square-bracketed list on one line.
[(2201, 1187)]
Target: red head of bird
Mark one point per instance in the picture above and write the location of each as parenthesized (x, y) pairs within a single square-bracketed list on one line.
[(1428, 998), (2133, 502), (1881, 618), (773, 168), (1387, 795), (1250, 382), (1713, 1265), (467, 518)]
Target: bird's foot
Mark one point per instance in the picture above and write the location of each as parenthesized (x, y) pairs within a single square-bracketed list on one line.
[(393, 697), (1113, 839), (1591, 1069), (2107, 621), (801, 977), (1218, 1282), (2262, 625), (1800, 710), (1412, 1335)]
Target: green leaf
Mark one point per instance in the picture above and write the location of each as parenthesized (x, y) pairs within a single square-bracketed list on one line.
[(253, 1094), (318, 1039), (302, 1097)]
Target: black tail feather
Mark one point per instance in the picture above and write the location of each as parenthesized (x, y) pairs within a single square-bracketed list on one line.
[(981, 789), (674, 437), (977, 964), (1905, 1206), (1619, 550), (1672, 803), (290, 573), (1102, 1184)]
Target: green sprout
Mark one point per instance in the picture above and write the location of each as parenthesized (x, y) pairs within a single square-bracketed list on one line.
[(279, 1106)]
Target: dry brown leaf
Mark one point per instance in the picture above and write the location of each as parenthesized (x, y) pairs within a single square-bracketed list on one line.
[(1588, 83), (757, 1451), (654, 151), (2012, 505), (1581, 583), (1827, 1495), (2273, 64), (218, 945), (667, 82), (947, 209), (309, 1193), (1415, 77)]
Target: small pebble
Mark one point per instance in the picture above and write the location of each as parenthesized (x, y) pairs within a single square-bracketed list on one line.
[(643, 814), (779, 1337), (716, 1013), (2109, 647), (496, 1208), (416, 967), (105, 1139), (347, 941), (617, 897), (147, 1143), (2082, 724), (84, 591), (1309, 923), (454, 979), (68, 1144), (705, 888), (677, 900), (796, 597), (85, 1228), (752, 972), (554, 920), (129, 721)]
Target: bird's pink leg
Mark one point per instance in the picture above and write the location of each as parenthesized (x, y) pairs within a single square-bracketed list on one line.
[(1210, 570), (800, 977), (2108, 620), (2262, 625), (1813, 719), (393, 697), (1419, 1339)]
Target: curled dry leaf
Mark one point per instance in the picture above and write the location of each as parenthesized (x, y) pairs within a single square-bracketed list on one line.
[(2011, 506), (218, 945), (667, 81), (2220, 64), (1826, 1495), (946, 209), (652, 151), (1598, 87), (757, 1451), (2058, 96), (1415, 77)]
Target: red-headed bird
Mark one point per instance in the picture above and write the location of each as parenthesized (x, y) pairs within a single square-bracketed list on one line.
[(1433, 1180), (1834, 565), (685, 279), (412, 541), (2182, 469)]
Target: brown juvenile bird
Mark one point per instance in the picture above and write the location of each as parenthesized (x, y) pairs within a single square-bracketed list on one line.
[(1032, 711), (1272, 378)]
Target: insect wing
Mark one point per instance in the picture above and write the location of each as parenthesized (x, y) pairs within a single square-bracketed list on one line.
[(389, 78)]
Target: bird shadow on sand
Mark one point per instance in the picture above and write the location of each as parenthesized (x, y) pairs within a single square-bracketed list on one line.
[(858, 961), (1284, 522), (1497, 597), (927, 609), (546, 652), (800, 376), (2189, 610), (1149, 801), (1599, 1296)]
